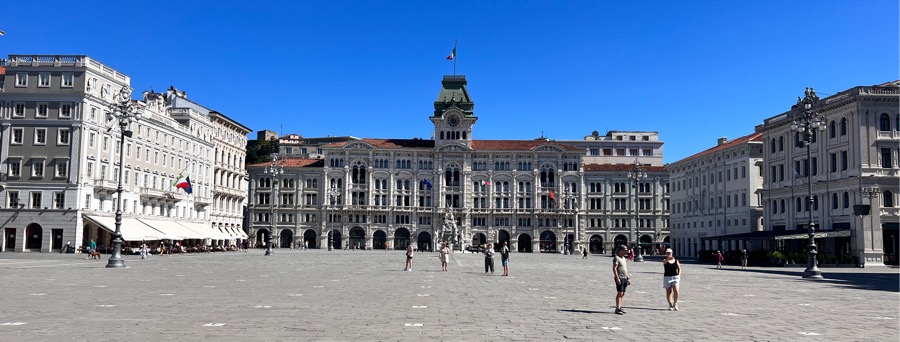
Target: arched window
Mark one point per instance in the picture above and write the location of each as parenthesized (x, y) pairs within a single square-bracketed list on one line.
[(772, 146), (774, 206), (884, 123), (843, 126), (781, 143), (846, 200), (799, 204), (782, 206), (887, 199), (834, 201), (832, 129)]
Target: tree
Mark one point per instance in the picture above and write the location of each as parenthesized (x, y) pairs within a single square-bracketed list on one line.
[(260, 151)]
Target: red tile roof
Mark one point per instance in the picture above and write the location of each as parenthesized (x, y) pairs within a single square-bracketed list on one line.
[(295, 162), (622, 167), (742, 140), (490, 145)]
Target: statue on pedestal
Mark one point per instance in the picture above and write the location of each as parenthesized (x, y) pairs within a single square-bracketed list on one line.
[(449, 231)]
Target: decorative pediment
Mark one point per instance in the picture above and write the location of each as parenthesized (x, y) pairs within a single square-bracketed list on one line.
[(548, 148), (359, 145), (454, 148)]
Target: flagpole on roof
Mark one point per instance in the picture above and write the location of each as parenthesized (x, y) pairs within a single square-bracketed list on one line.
[(455, 41)]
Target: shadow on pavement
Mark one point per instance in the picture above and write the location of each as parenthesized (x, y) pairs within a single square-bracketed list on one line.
[(889, 282), (587, 311)]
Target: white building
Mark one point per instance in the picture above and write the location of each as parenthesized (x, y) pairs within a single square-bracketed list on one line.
[(853, 162), (59, 159)]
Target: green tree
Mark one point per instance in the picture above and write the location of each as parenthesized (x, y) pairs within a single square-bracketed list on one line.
[(261, 151)]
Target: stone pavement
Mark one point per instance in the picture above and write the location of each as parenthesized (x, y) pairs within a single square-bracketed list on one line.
[(366, 295)]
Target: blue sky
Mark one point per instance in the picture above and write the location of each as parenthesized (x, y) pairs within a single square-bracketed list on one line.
[(691, 70)]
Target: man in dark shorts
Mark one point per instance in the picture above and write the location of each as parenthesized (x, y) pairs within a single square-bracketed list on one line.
[(620, 273)]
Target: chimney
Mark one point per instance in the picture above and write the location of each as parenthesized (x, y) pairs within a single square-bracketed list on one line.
[(722, 140)]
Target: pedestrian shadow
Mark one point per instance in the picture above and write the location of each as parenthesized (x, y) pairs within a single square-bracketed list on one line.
[(888, 282), (586, 311)]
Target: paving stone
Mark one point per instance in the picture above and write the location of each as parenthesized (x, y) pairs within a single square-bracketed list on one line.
[(365, 295)]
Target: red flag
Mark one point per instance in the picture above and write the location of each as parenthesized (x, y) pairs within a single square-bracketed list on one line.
[(552, 199)]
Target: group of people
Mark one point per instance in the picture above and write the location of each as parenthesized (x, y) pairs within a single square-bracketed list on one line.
[(671, 278), (444, 256)]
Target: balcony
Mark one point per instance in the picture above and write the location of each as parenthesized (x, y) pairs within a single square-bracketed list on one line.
[(150, 193), (105, 185), (202, 201), (229, 191)]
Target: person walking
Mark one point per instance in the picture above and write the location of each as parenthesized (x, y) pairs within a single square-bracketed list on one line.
[(143, 250), (671, 278), (630, 254), (583, 253), (93, 246), (743, 258), (719, 258), (489, 258), (445, 257), (620, 273), (504, 259), (409, 256)]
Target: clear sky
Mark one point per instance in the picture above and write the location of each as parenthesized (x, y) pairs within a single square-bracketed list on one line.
[(692, 70)]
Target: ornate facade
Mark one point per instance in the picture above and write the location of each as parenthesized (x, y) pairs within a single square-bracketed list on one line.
[(60, 152), (534, 194)]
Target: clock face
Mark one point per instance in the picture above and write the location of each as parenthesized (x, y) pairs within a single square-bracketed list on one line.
[(453, 121)]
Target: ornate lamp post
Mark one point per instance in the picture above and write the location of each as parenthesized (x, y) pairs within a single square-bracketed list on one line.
[(636, 175), (275, 171), (806, 122), (567, 197), (125, 111), (333, 197)]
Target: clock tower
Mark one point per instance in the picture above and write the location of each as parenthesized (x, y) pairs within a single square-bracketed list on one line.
[(453, 113)]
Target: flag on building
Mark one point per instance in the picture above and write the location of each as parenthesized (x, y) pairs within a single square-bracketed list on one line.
[(796, 172), (485, 183), (427, 184), (552, 199), (452, 54), (184, 183)]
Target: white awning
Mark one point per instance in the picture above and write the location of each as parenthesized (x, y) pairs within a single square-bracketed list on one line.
[(206, 230), (172, 229), (131, 229)]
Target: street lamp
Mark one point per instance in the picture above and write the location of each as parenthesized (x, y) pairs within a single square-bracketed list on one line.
[(636, 175), (333, 197), (275, 171), (567, 197), (125, 111), (807, 122)]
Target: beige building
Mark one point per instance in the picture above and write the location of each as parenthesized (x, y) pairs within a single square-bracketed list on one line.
[(714, 196), (532, 194)]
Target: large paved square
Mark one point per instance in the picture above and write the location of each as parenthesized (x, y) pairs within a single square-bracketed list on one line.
[(366, 295)]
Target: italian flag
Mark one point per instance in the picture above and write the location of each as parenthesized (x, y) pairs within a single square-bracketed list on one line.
[(184, 183), (452, 54)]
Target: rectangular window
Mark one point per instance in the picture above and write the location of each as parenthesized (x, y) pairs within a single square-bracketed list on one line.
[(65, 110), (18, 135), (64, 136), (59, 200), (128, 150), (37, 169), (90, 170), (13, 199), (40, 136), (648, 152), (62, 169), (43, 79), (93, 113), (35, 199), (886, 158), (42, 109), (595, 151), (15, 168), (19, 110), (67, 80), (21, 79), (832, 162), (844, 161), (105, 144), (87, 201)]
